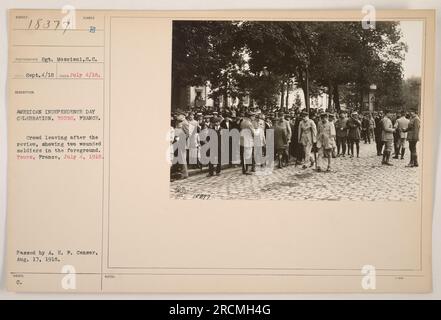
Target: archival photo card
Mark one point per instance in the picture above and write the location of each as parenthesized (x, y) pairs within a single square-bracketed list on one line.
[(220, 151), (296, 110)]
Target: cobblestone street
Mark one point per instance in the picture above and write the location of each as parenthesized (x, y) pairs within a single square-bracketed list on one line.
[(362, 179)]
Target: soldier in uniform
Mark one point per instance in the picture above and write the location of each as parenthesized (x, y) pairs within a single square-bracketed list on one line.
[(216, 127), (413, 133), (401, 124), (387, 137), (282, 136), (378, 132), (247, 142), (354, 126), (325, 140), (307, 137)]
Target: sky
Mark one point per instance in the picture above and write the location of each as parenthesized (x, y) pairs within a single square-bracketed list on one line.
[(412, 35)]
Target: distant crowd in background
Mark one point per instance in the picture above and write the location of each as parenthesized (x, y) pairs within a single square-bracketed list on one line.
[(301, 138)]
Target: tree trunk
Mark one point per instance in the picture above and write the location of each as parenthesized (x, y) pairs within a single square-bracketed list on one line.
[(225, 97), (306, 91), (287, 96), (216, 102), (336, 98), (282, 95), (330, 97)]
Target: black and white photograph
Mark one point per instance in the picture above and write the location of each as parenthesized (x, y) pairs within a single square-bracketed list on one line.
[(296, 110)]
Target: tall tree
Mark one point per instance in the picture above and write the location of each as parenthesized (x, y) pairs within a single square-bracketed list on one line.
[(411, 93), (257, 58), (205, 52)]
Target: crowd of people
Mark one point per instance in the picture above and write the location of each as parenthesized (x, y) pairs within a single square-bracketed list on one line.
[(299, 137)]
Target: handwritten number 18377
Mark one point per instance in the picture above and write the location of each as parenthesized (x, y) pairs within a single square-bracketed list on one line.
[(48, 24)]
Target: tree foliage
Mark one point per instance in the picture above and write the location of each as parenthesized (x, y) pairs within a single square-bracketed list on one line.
[(411, 93), (261, 58)]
